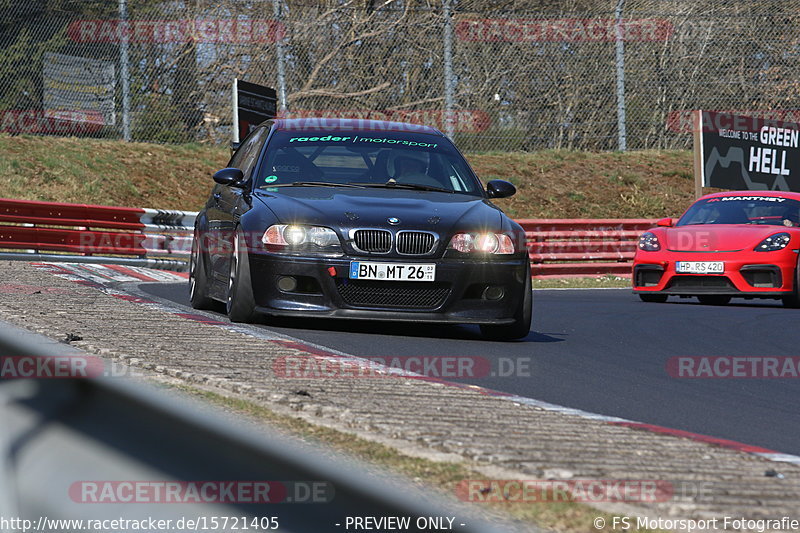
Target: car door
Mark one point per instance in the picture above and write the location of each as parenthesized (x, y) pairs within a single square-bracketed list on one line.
[(233, 202)]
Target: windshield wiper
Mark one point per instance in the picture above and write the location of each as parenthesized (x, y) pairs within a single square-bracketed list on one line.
[(312, 184), (412, 186)]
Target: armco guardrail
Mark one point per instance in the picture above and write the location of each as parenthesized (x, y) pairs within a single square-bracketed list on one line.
[(92, 233), (63, 439), (162, 239), (561, 248)]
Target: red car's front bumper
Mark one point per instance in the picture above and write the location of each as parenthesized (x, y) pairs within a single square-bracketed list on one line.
[(752, 274)]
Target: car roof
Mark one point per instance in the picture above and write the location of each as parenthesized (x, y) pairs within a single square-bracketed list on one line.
[(349, 124), (782, 194)]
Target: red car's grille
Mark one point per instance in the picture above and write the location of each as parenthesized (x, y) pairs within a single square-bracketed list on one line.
[(700, 283)]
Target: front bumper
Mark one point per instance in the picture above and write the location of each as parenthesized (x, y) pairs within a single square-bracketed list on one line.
[(323, 289), (756, 275)]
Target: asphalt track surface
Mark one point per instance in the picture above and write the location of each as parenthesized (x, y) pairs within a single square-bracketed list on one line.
[(606, 352)]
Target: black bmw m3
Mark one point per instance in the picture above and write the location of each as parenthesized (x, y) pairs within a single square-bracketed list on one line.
[(359, 219)]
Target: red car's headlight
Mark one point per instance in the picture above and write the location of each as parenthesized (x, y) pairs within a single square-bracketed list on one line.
[(773, 243), (649, 242)]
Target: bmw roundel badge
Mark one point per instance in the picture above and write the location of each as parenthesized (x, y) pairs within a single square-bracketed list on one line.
[(393, 221)]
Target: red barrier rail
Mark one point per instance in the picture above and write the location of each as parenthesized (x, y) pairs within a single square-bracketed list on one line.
[(79, 232), (564, 248), (558, 248)]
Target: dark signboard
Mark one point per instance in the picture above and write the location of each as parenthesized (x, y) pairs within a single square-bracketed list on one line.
[(254, 104), (750, 153)]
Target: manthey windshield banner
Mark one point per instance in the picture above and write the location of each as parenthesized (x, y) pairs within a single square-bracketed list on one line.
[(746, 152)]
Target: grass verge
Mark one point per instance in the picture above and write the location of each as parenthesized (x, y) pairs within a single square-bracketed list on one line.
[(550, 183), (603, 282)]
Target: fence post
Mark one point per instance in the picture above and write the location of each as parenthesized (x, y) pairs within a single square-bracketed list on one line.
[(620, 60), (235, 112), (124, 73), (449, 97), (276, 12)]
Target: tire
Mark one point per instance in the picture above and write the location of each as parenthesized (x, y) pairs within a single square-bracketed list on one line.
[(792, 299), (240, 305), (198, 278), (714, 299), (522, 317), (654, 298)]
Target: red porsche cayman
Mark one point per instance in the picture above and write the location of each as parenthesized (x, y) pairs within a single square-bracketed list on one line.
[(729, 244)]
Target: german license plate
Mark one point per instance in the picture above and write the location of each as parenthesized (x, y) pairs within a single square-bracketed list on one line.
[(392, 271), (699, 267)]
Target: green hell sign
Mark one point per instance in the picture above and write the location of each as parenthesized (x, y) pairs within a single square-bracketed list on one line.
[(750, 153)]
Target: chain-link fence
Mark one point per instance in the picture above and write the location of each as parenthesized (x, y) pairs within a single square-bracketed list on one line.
[(515, 75)]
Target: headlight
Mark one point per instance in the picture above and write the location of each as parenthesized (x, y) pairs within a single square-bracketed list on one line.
[(487, 243), (649, 242), (296, 238), (773, 243), (294, 235)]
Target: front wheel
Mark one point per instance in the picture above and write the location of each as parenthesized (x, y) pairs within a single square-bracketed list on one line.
[(522, 317), (240, 304), (654, 298), (714, 299)]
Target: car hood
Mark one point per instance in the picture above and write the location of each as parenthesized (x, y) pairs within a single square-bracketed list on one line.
[(717, 237), (370, 208)]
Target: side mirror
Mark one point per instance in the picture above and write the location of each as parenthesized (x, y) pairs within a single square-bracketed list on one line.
[(665, 222), (229, 176), (500, 189)]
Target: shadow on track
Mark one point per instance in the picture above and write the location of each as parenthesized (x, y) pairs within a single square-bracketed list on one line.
[(402, 329), (178, 293), (759, 303)]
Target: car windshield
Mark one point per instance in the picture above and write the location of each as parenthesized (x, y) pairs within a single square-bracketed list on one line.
[(408, 160), (769, 210)]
